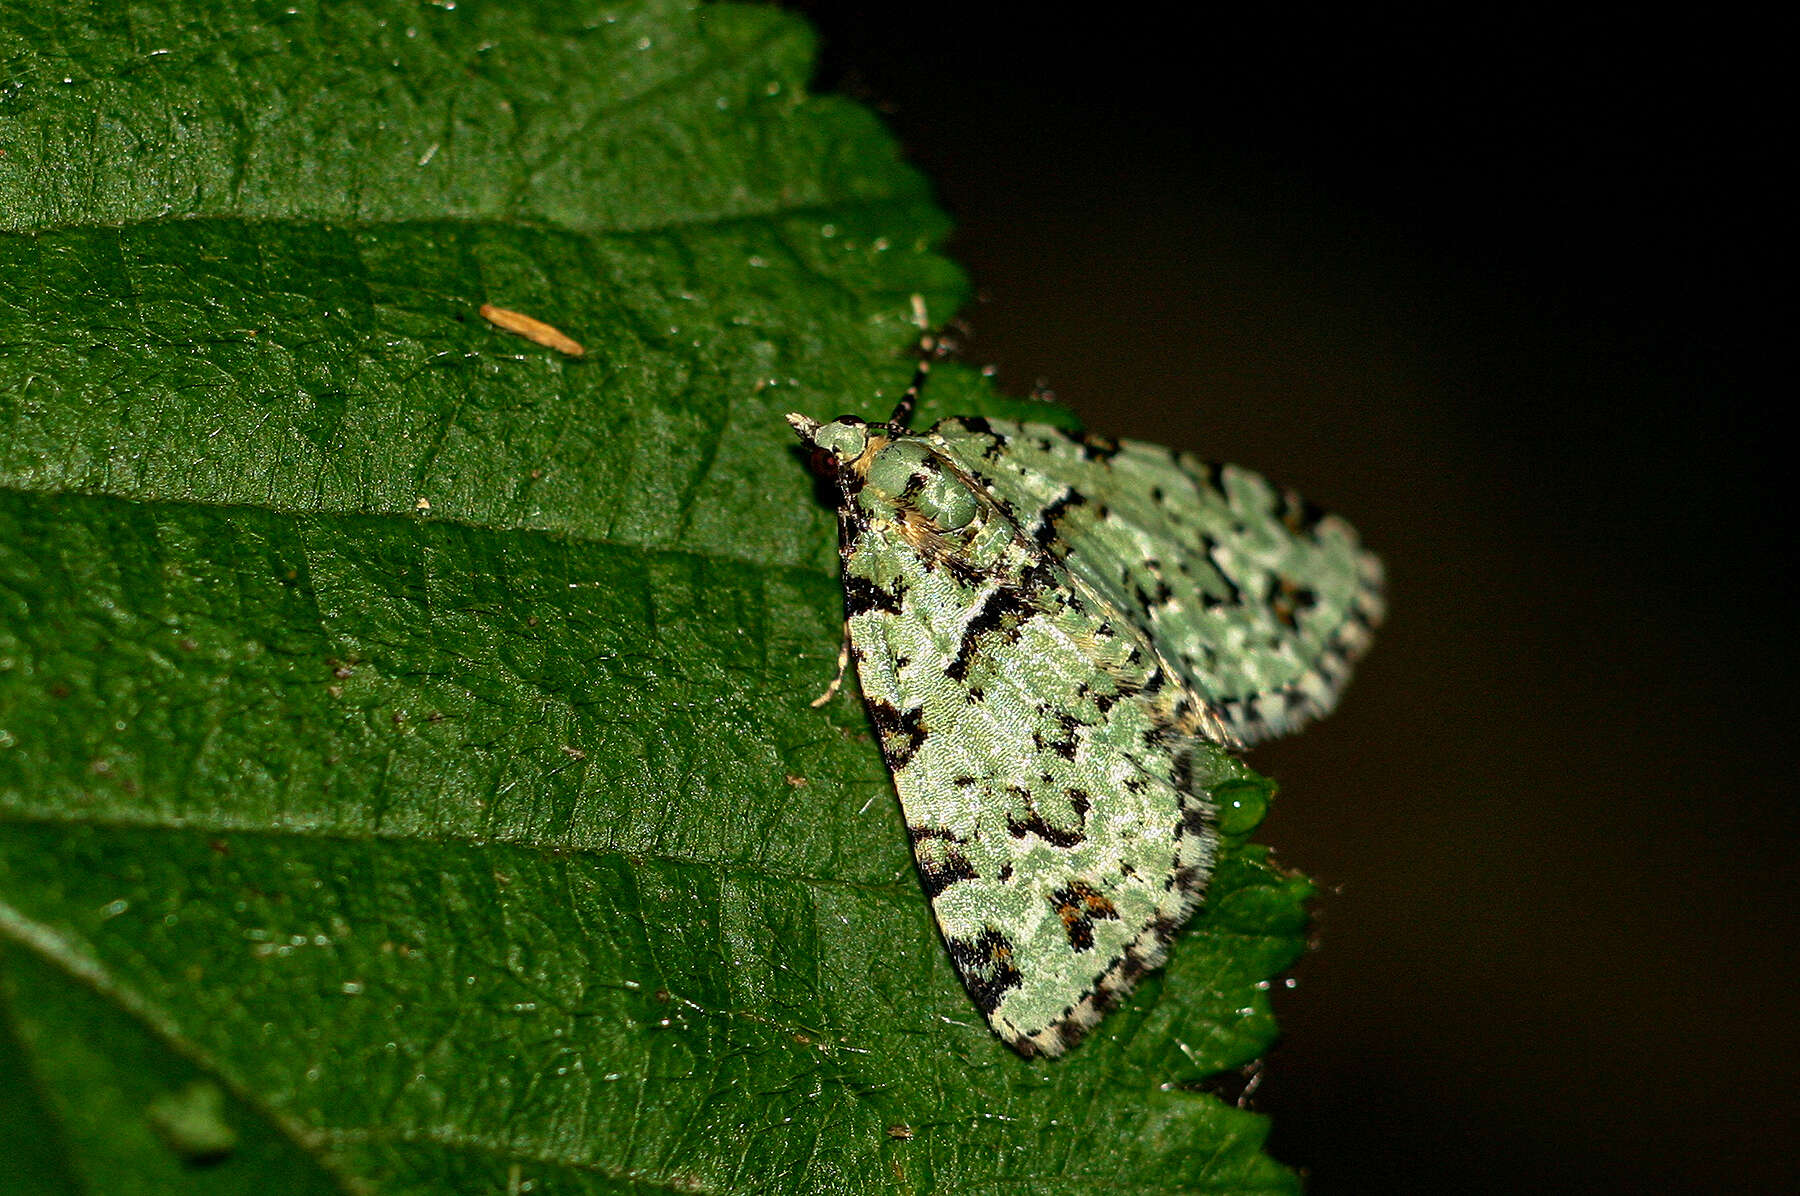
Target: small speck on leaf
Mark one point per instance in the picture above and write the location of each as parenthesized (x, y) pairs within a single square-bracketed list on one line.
[(532, 329)]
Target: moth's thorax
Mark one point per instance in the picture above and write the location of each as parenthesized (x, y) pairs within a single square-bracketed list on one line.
[(890, 475), (907, 480)]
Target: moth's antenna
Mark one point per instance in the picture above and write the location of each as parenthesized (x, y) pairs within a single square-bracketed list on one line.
[(929, 344)]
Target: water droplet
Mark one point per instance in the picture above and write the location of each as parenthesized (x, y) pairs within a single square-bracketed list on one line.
[(1242, 805)]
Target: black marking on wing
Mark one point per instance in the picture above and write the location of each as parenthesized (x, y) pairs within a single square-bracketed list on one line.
[(980, 427), (901, 731), (1006, 508), (1299, 514), (1071, 726), (1195, 820), (1040, 575), (862, 596), (1210, 472), (936, 875), (1033, 824), (1044, 528), (1188, 878), (1234, 595), (1183, 779), (975, 423), (986, 965), (1103, 702), (964, 573), (1000, 613), (950, 866), (1292, 600), (1098, 448), (1077, 905), (1068, 744), (1150, 601)]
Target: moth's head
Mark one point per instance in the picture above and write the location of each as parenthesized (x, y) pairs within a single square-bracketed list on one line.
[(835, 446)]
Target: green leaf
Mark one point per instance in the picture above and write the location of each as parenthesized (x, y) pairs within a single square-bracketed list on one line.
[(407, 781)]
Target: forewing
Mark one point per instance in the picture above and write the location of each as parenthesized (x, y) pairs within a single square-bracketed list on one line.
[(1261, 601), (1043, 761)]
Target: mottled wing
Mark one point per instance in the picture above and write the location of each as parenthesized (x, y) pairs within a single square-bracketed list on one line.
[(1044, 761), (1260, 600)]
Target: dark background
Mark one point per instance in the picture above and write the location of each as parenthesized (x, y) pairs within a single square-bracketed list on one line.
[(1492, 286)]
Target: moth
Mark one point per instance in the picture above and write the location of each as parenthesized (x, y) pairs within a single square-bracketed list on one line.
[(1046, 627)]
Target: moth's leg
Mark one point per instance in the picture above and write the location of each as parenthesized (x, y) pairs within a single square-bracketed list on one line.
[(930, 348), (837, 682)]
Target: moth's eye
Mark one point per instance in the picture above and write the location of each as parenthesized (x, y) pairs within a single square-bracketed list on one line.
[(843, 438)]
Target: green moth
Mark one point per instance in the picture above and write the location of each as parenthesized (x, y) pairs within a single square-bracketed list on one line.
[(1047, 628)]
